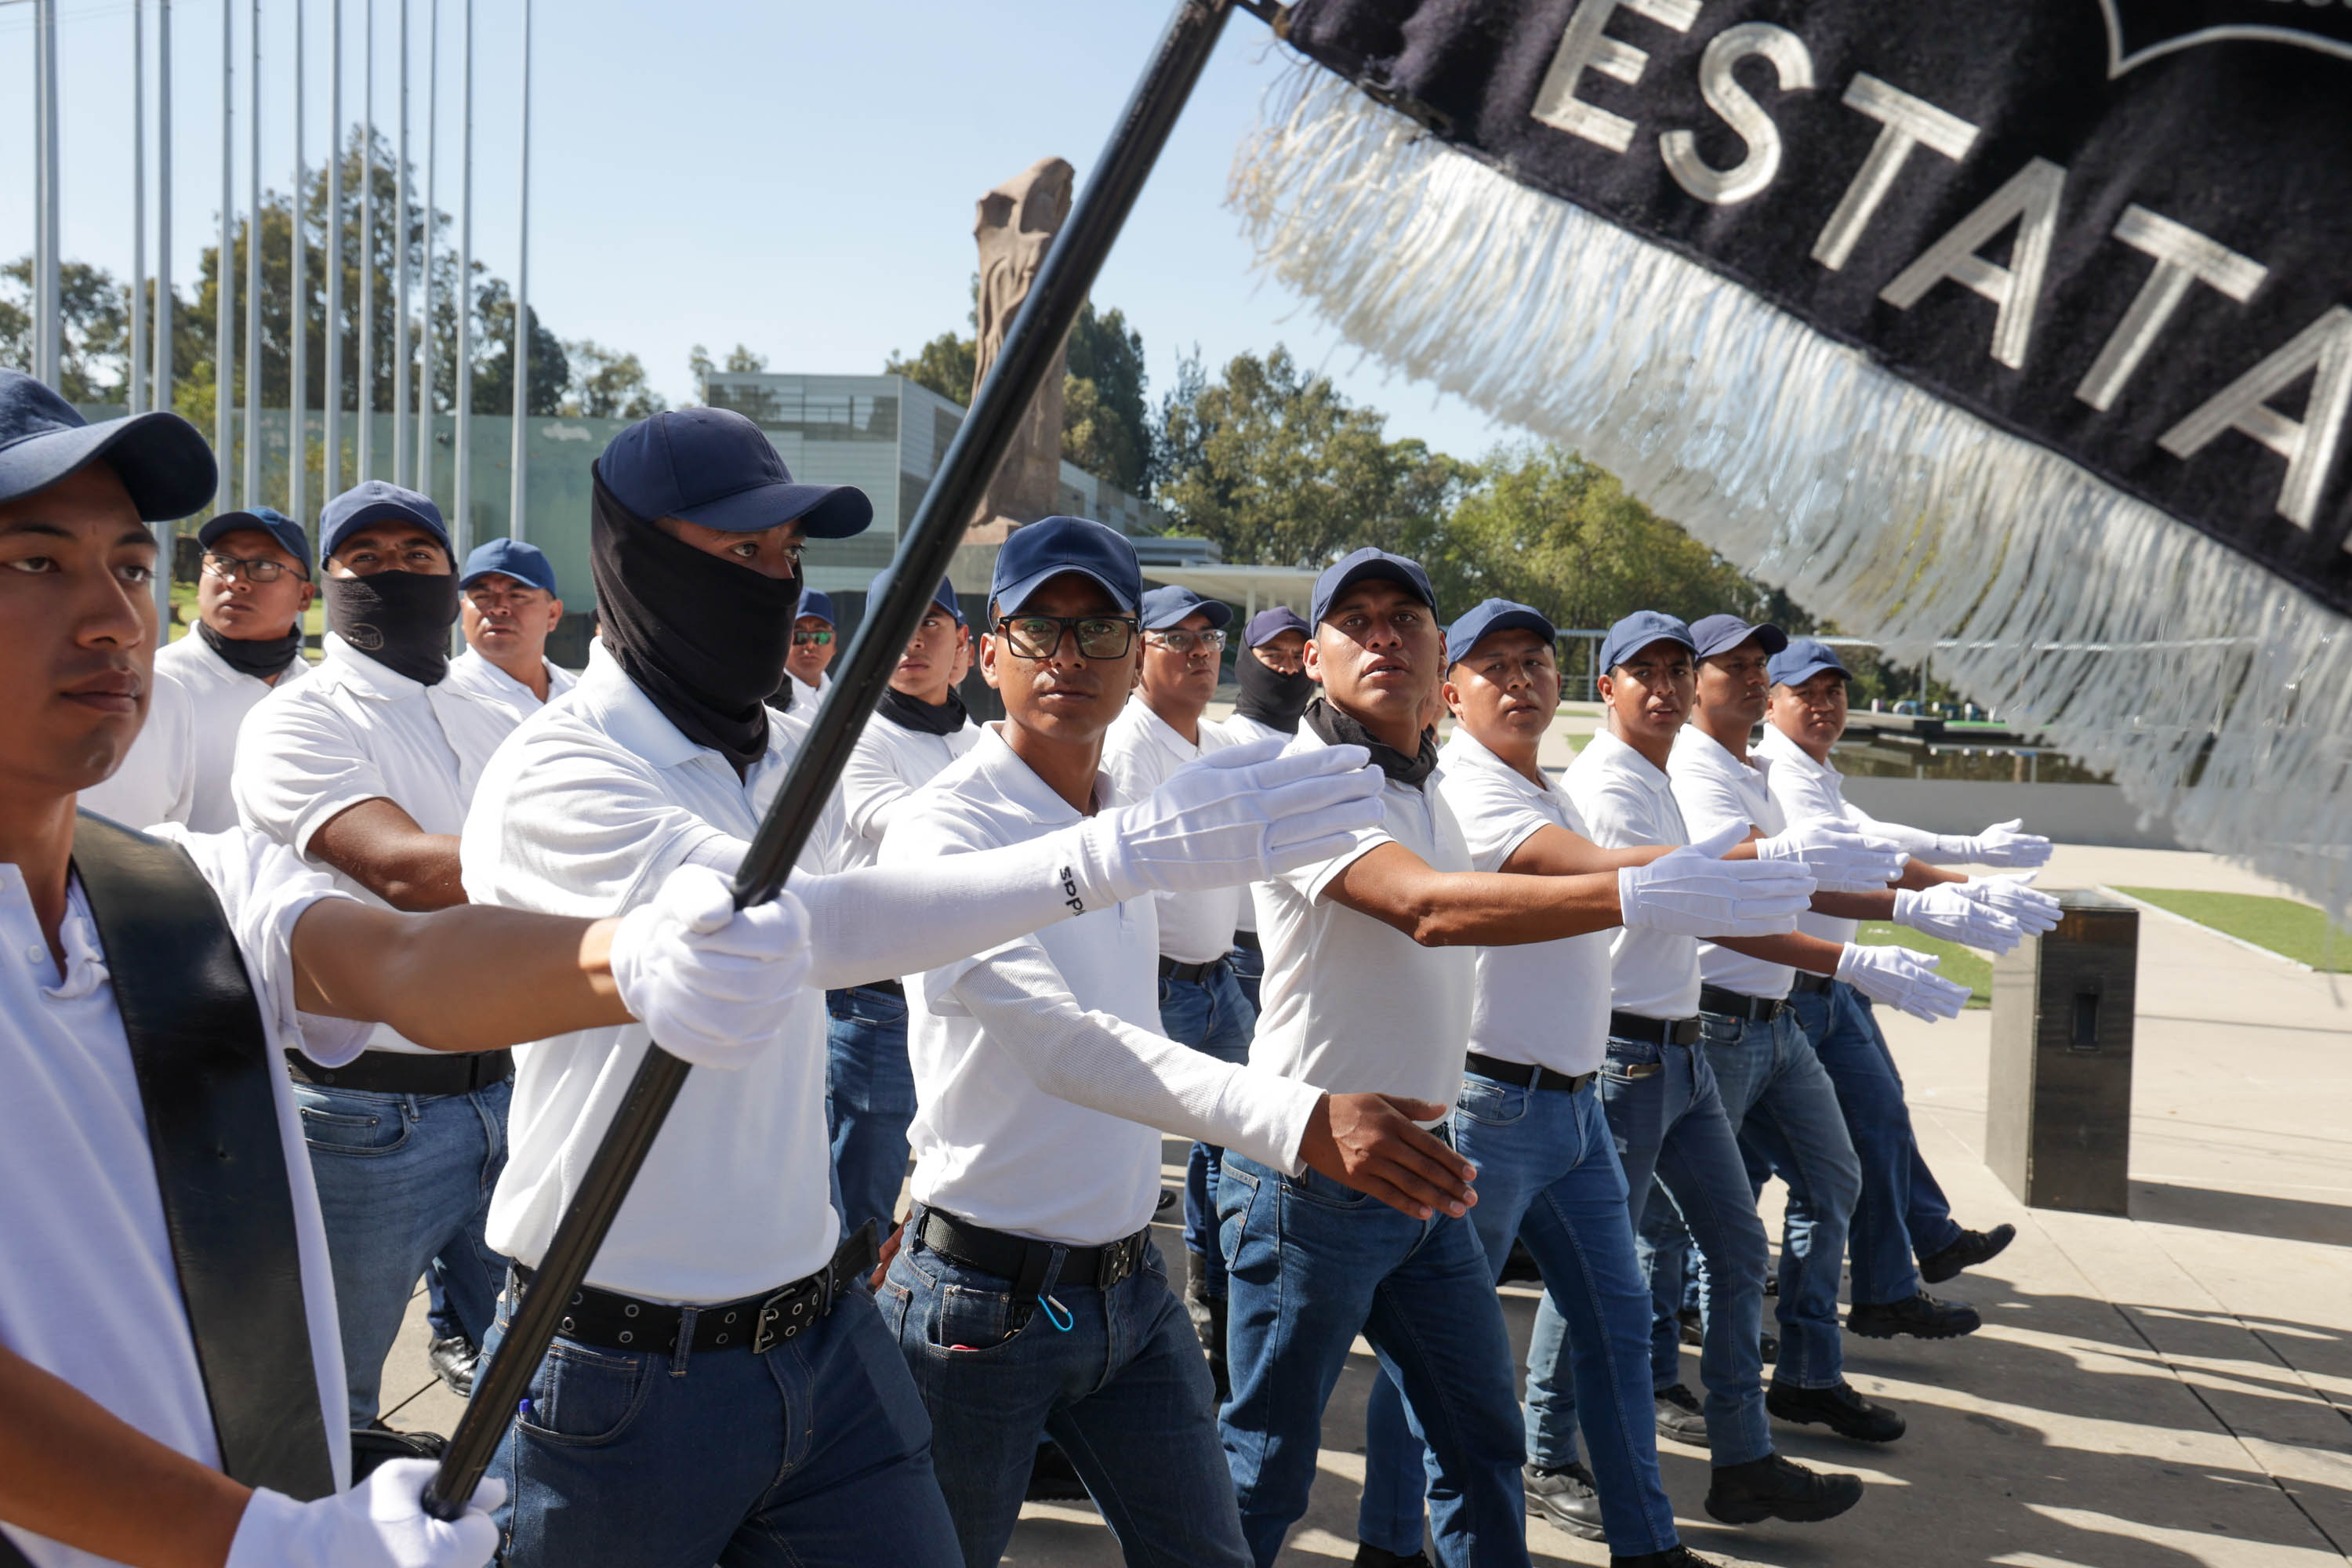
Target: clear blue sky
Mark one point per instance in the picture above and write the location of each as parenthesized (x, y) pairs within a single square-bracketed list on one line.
[(796, 176)]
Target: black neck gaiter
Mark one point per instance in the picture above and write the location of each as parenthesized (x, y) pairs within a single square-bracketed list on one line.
[(1273, 699), (1336, 729), (400, 619), (701, 637), (923, 718), (264, 658)]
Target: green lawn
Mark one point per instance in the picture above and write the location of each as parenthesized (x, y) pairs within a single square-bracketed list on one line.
[(2291, 929), (1964, 965)]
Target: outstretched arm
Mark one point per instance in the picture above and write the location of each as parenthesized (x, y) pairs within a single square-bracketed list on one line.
[(379, 845), (467, 979), (1448, 909)]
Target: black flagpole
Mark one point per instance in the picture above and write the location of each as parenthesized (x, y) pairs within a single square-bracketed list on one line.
[(925, 552)]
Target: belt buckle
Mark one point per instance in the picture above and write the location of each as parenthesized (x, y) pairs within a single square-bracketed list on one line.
[(1118, 1263), (765, 1335)]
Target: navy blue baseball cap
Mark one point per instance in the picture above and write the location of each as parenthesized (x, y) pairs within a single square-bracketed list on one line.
[(1712, 635), (1802, 659), (713, 467), (373, 501), (1638, 631), (1268, 624), (944, 596), (526, 564), (1037, 553), (1171, 606), (160, 457), (266, 520), (1368, 563), (1494, 616), (815, 602)]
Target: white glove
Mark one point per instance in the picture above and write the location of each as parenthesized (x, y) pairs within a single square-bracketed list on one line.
[(1902, 978), (1694, 892), (711, 981), (1946, 911), (1241, 815), (2017, 898), (2000, 845), (379, 1524), (1843, 861)]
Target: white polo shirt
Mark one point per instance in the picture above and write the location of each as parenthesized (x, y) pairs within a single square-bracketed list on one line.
[(1715, 790), (1625, 802), (357, 731), (1351, 1004), (1139, 754), (1543, 1003), (594, 801), (89, 1292), (222, 696), (156, 780), (1240, 729), (1006, 1044), (470, 672), (889, 764)]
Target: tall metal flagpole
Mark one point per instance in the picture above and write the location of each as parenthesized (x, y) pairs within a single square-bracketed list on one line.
[(298, 272), (138, 399), (164, 261), (421, 481), (48, 306), (400, 285), (521, 461), (367, 248), (224, 278), (924, 553), (252, 486), (464, 476), (331, 481)]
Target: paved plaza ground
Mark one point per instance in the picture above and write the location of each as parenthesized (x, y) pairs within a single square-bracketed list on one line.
[(2169, 1389)]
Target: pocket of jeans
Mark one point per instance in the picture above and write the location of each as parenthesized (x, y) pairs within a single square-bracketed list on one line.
[(1313, 1186), (1716, 1030), (583, 1397), (1237, 1195), (966, 1322), (359, 1132), (1492, 1104)]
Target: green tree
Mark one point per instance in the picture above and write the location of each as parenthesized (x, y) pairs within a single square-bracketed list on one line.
[(945, 366), (1277, 466), (94, 363), (608, 383)]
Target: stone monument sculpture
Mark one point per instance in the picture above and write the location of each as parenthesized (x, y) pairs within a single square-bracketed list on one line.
[(1014, 227)]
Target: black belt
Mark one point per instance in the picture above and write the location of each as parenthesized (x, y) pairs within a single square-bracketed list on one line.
[(1813, 985), (1523, 1075), (1247, 941), (1657, 1031), (887, 987), (1025, 1261), (398, 1072), (1195, 973), (1728, 1004), (757, 1322)]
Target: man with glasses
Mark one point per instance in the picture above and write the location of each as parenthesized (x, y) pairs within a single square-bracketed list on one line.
[(814, 643), (1028, 1298), (918, 729), (1201, 999), (509, 608), (254, 586)]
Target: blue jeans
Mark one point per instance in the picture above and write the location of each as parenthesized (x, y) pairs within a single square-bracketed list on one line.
[(1547, 1174), (1903, 1211), (1663, 1243), (1212, 1016), (403, 1179), (1249, 968), (1311, 1264), (1123, 1389), (1668, 1123), (869, 1101), (815, 1452), (1781, 1103)]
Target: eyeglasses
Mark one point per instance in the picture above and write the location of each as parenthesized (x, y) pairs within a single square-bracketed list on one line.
[(1185, 642), (1040, 637), (802, 639), (228, 568)]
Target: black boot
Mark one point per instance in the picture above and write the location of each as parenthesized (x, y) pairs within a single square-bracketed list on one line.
[(1922, 1317), (1680, 1415), (454, 1360), (1843, 1411), (1220, 1373), (1774, 1487), (1196, 1293), (1566, 1498), (1672, 1557), (1052, 1477), (1974, 1246), (1371, 1556)]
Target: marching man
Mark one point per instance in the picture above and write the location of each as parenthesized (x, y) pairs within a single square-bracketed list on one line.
[(509, 606)]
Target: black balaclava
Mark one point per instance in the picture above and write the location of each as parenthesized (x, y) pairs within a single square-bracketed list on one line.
[(703, 637), (1336, 729), (400, 619), (1273, 699), (264, 658), (923, 718)]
